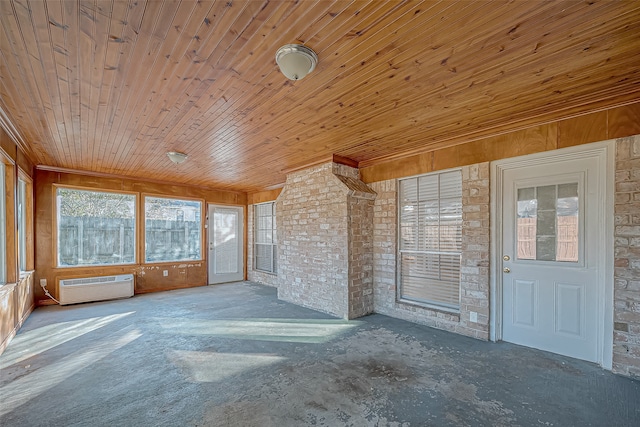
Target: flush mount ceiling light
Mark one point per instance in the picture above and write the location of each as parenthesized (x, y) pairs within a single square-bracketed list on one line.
[(296, 61), (177, 157)]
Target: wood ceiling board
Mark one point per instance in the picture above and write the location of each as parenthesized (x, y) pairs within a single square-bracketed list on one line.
[(224, 102), (128, 40), (397, 116), (394, 78), (27, 54), (16, 95), (277, 138), (155, 25), (218, 108), (8, 93)]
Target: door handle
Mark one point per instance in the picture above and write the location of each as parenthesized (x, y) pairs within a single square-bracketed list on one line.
[(506, 270), (506, 258)]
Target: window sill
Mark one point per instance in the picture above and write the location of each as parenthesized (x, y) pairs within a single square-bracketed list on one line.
[(181, 261), (265, 272), (26, 273), (7, 287), (430, 307), (95, 265)]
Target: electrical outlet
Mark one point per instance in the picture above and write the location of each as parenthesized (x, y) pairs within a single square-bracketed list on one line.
[(473, 317), (43, 282), (165, 273)]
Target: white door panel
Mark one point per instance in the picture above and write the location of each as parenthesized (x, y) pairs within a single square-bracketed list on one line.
[(525, 304), (226, 254), (549, 278)]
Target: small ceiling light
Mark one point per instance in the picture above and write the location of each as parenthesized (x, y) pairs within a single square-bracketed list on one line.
[(296, 61), (176, 157)]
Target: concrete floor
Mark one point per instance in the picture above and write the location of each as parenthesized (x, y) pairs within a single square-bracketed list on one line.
[(233, 355)]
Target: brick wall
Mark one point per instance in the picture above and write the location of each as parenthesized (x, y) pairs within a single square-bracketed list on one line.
[(360, 256), (474, 286), (255, 275), (474, 271), (327, 229), (626, 340), (324, 240)]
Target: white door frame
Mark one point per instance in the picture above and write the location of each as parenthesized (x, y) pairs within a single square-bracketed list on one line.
[(605, 153), (241, 245)]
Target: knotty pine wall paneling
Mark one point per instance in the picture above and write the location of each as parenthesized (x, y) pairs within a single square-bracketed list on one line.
[(17, 294), (599, 126), (149, 277)]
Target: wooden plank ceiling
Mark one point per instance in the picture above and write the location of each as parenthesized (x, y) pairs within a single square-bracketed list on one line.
[(110, 86)]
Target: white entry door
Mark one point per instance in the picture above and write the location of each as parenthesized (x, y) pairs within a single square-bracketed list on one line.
[(226, 254), (550, 280)]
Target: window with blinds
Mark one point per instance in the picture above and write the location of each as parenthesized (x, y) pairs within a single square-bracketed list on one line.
[(430, 239), (265, 245)]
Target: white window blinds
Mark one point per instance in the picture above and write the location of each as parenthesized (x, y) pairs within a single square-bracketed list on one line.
[(431, 239), (265, 249)]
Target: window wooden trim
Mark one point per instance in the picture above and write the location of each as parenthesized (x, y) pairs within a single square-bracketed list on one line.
[(143, 228), (29, 219), (54, 229), (10, 219), (274, 244)]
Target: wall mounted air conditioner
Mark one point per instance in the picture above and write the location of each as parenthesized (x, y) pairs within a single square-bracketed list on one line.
[(73, 291)]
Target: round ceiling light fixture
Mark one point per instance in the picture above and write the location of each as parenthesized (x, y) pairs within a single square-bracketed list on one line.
[(296, 61), (177, 157)]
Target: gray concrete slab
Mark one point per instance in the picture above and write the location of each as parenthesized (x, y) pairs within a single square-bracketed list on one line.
[(233, 355)]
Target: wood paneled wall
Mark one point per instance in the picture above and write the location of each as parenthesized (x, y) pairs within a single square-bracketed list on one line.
[(149, 277), (17, 295), (263, 196), (613, 123)]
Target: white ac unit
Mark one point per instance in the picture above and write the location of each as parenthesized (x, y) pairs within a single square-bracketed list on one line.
[(73, 291)]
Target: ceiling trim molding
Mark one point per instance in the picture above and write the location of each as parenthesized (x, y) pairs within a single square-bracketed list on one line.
[(333, 158), (130, 178), (342, 160), (13, 132)]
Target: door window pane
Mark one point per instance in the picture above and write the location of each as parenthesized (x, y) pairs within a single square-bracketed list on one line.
[(225, 241), (547, 223)]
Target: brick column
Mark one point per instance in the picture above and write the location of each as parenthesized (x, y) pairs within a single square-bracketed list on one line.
[(325, 241), (474, 271), (626, 337)]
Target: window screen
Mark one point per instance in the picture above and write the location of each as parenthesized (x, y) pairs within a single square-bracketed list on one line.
[(431, 239), (265, 248), (95, 227), (173, 229)]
